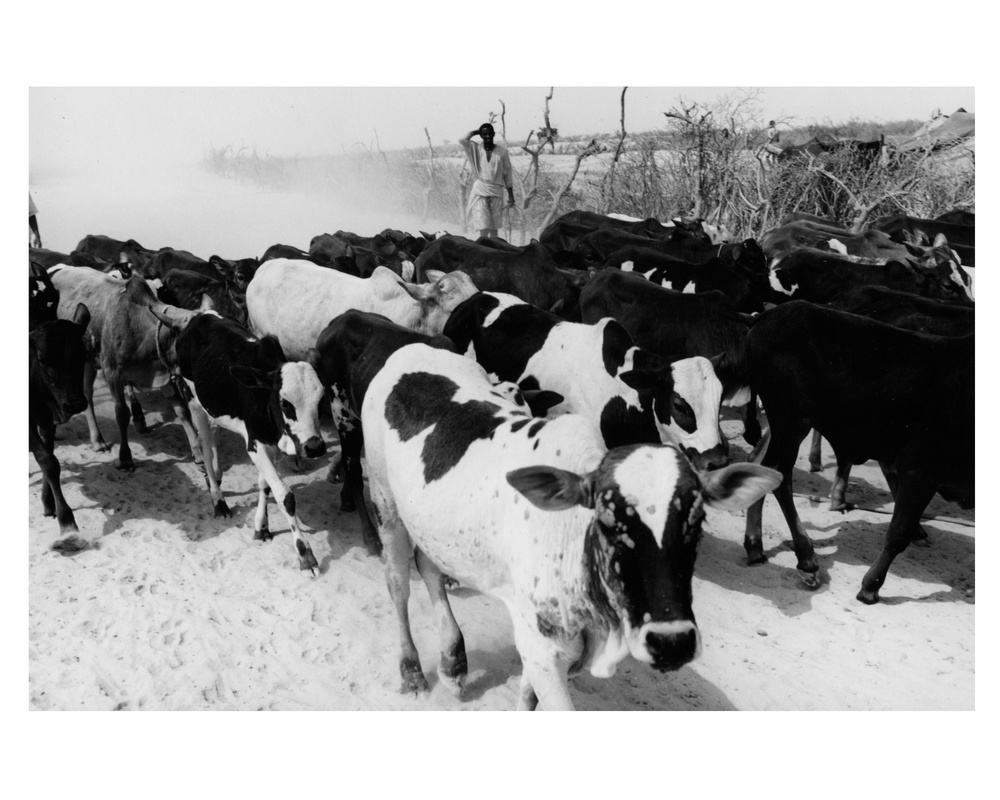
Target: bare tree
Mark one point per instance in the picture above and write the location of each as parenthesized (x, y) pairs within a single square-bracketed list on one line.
[(592, 148), (608, 184)]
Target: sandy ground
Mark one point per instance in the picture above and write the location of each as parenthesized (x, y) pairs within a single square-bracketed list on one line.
[(174, 609)]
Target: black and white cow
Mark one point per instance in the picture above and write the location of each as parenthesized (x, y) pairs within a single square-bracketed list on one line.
[(874, 391), (592, 551), (56, 359), (630, 395), (246, 385)]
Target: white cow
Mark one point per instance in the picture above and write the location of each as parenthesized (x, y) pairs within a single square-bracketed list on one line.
[(295, 300), (592, 551)]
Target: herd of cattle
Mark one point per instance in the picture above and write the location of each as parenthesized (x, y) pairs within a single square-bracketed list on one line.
[(540, 423)]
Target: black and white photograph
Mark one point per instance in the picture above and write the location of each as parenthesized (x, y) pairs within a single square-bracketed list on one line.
[(603, 383), (478, 355)]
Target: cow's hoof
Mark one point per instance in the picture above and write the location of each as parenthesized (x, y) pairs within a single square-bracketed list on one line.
[(263, 534), (373, 546), (923, 542), (306, 558), (100, 447), (336, 472), (841, 506), (867, 597), (125, 466), (48, 512), (815, 467), (414, 681), (810, 579), (222, 510), (755, 558), (71, 545)]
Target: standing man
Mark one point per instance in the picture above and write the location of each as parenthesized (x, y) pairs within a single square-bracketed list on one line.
[(34, 237), (491, 166)]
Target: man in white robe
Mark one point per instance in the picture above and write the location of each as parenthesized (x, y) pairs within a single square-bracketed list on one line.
[(491, 167)]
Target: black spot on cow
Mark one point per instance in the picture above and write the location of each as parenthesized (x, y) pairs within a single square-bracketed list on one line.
[(520, 424), (421, 400), (530, 384), (615, 346), (535, 428), (288, 410), (623, 424), (289, 503)]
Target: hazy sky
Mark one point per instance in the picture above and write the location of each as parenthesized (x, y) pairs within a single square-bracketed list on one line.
[(101, 127)]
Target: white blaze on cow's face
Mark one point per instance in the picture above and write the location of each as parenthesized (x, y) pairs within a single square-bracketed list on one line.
[(299, 396), (692, 417), (649, 511)]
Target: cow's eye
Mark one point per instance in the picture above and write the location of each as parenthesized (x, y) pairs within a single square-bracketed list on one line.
[(682, 413)]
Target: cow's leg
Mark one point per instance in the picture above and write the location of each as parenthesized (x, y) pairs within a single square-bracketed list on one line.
[(209, 447), (260, 527), (398, 549), (96, 439), (53, 502), (546, 673), (919, 536), (286, 500), (138, 417), (838, 492), (781, 454), (122, 416), (816, 452), (353, 493), (751, 427), (183, 413), (527, 700), (453, 670), (914, 491)]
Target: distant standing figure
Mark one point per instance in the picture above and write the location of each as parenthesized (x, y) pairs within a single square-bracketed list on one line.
[(491, 166), (34, 237)]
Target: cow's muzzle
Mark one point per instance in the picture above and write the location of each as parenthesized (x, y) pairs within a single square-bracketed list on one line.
[(707, 460), (314, 447), (671, 645)]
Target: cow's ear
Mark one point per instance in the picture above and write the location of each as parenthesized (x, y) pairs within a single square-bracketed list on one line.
[(552, 489), (737, 486), (82, 315), (640, 379), (313, 358), (541, 400), (251, 377), (207, 304), (434, 275), (940, 240)]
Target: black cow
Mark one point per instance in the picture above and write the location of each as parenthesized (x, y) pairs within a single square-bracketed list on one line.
[(922, 232), (674, 325), (56, 358), (167, 259), (44, 258), (906, 311), (351, 350), (240, 271), (186, 289), (748, 290), (630, 395), (788, 238), (565, 232), (529, 273), (818, 277), (114, 251), (958, 216), (873, 391), (247, 386)]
